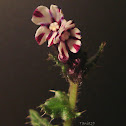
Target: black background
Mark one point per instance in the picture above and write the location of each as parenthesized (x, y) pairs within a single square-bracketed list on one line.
[(26, 77)]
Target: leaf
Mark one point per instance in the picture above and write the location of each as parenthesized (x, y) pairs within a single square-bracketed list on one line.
[(58, 106), (37, 120)]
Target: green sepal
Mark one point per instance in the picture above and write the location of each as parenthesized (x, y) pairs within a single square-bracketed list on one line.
[(58, 106), (91, 62), (58, 63), (37, 120)]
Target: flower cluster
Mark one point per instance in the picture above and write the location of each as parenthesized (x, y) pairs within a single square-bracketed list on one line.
[(56, 30)]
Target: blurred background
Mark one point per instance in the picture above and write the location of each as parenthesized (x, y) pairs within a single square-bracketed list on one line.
[(26, 77)]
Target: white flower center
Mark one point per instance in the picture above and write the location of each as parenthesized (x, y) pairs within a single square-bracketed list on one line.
[(54, 26), (65, 36)]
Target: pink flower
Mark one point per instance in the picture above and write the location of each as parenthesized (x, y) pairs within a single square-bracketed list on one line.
[(56, 30)]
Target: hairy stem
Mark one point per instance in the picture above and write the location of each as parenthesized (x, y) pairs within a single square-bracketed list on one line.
[(73, 94), (72, 99)]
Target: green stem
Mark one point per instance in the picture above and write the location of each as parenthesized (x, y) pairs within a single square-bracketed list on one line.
[(68, 123), (72, 99), (73, 94)]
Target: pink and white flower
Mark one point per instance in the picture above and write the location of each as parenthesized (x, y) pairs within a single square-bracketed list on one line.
[(56, 30)]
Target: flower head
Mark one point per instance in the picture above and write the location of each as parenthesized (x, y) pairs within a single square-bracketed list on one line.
[(56, 30)]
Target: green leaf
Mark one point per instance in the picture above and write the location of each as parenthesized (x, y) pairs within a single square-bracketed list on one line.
[(58, 106), (37, 120)]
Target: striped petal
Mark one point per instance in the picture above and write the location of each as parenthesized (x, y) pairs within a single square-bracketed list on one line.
[(63, 23), (63, 53), (56, 13), (75, 33), (57, 38), (51, 38), (41, 16), (41, 34), (69, 25), (74, 45)]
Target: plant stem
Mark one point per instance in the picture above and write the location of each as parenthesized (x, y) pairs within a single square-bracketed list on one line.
[(73, 94), (68, 123), (72, 99)]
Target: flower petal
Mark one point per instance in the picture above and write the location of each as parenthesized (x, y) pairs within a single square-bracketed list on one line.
[(63, 53), (41, 16), (51, 38), (63, 23), (75, 33), (56, 13), (74, 45), (69, 25), (62, 27), (42, 34), (57, 38)]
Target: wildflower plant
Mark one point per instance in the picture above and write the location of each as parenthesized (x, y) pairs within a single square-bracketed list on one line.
[(70, 57)]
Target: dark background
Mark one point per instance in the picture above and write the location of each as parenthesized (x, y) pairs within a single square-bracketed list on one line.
[(26, 77)]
